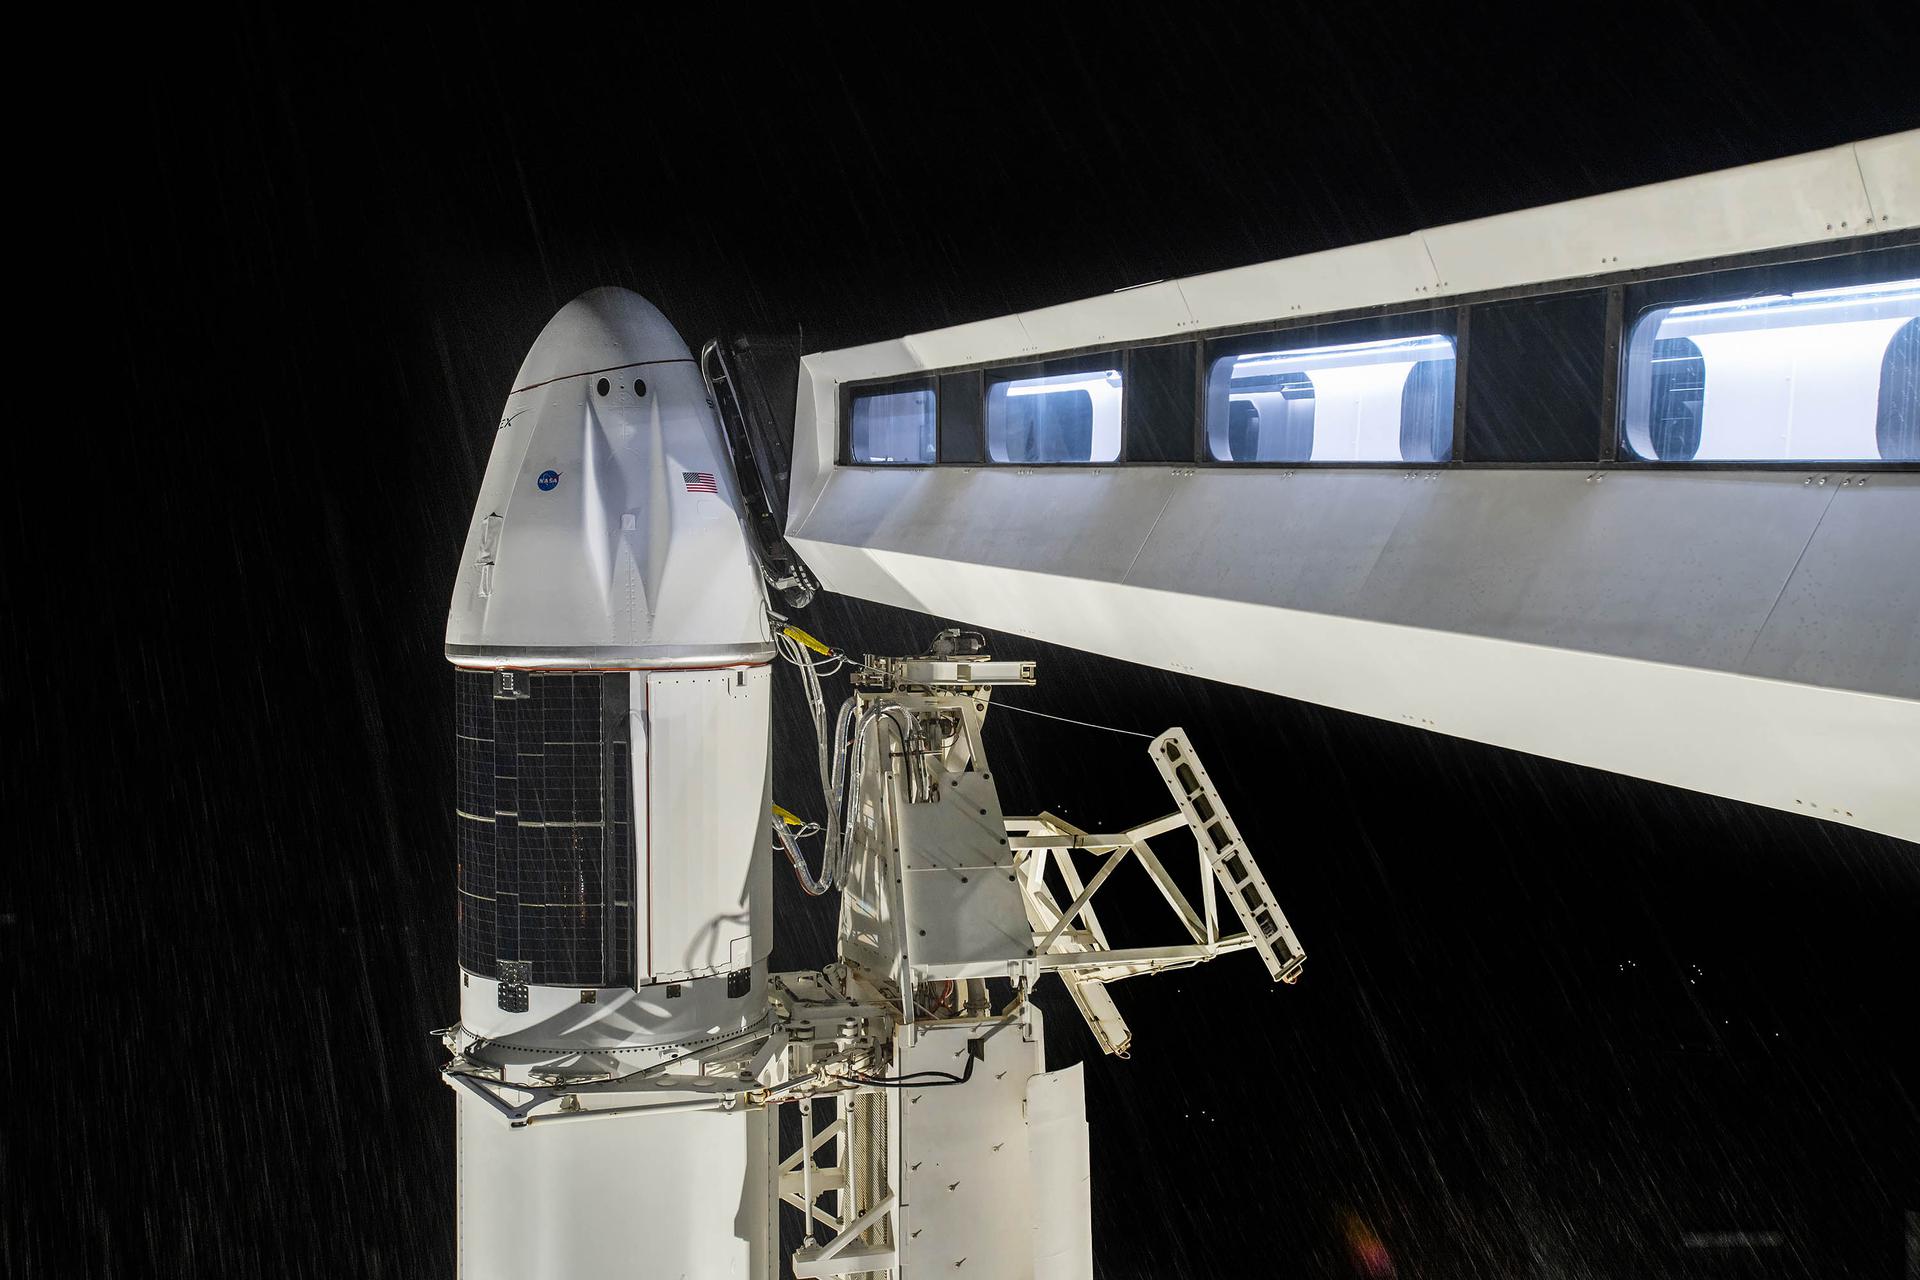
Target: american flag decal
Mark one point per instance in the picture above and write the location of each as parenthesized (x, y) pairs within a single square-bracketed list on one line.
[(700, 482)]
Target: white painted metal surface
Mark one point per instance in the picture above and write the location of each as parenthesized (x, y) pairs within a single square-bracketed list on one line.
[(706, 859), (678, 1196), (1836, 754), (967, 1192), (1061, 1159), (1749, 634), (640, 1024), (607, 529), (957, 871)]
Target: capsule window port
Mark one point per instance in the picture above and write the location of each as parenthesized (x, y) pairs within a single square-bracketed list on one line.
[(640, 386), (604, 386)]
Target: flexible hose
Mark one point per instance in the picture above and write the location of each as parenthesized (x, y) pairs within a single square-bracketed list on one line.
[(849, 774), (844, 776), (814, 887)]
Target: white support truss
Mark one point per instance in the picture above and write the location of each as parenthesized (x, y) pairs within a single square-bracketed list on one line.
[(1070, 939), (842, 1238)]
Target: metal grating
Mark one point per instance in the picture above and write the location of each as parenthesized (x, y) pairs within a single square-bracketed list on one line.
[(543, 810)]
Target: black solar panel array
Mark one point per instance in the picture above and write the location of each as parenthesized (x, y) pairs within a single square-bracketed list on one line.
[(474, 819), (545, 828), (618, 790)]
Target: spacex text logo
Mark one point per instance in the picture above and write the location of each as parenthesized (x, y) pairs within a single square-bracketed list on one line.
[(547, 481)]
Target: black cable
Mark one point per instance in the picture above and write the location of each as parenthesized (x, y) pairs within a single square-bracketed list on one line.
[(913, 1079)]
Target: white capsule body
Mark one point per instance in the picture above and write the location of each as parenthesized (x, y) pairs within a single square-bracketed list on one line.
[(612, 648), (607, 530)]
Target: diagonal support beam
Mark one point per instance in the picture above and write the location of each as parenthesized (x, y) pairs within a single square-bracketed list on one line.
[(1075, 907)]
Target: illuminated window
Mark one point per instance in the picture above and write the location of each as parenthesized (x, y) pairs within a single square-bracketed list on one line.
[(1823, 375), (1388, 401), (1057, 417), (892, 426)]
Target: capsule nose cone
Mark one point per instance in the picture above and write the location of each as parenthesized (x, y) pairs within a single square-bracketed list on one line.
[(600, 331), (606, 532)]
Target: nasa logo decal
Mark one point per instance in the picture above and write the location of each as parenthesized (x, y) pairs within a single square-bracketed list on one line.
[(548, 481)]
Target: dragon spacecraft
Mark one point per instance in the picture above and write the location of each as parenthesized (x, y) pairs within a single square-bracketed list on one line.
[(622, 1051)]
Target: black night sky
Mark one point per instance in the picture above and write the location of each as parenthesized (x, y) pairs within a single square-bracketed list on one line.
[(1554, 1020)]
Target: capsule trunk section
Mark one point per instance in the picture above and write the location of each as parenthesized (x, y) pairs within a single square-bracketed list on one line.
[(612, 859), (611, 648)]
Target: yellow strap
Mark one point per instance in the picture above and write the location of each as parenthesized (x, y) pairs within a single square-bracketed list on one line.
[(787, 818), (802, 637)]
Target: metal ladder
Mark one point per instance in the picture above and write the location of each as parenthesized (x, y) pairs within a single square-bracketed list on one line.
[(1226, 853)]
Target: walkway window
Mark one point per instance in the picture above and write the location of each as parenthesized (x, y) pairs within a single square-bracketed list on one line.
[(1056, 417), (1824, 375), (892, 426), (1388, 401)]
